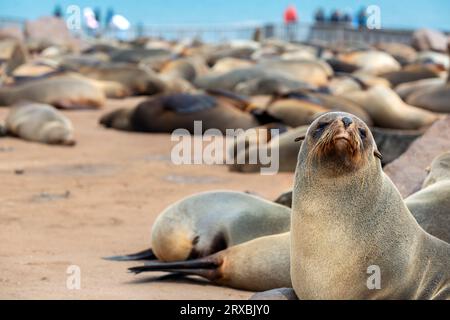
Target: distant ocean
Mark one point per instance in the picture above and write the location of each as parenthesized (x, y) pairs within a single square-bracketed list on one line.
[(394, 13)]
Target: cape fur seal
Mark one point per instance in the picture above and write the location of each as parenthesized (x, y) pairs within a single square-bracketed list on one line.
[(228, 64), (257, 265), (433, 98), (138, 80), (371, 61), (39, 123), (301, 107), (387, 110), (431, 205), (179, 68), (59, 91), (404, 90), (284, 145), (342, 84), (348, 216), (413, 73), (206, 223), (314, 72), (167, 113), (403, 53)]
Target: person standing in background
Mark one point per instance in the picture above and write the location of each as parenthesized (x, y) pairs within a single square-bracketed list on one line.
[(109, 15), (336, 17), (57, 12), (291, 20), (98, 15), (319, 17), (362, 18), (347, 19)]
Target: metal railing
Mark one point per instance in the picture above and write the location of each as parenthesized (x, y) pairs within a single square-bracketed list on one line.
[(319, 32), (324, 32)]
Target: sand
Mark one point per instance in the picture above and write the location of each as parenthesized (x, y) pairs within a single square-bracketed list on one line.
[(64, 206)]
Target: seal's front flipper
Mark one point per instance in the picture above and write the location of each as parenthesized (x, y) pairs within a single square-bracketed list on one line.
[(143, 255), (207, 267)]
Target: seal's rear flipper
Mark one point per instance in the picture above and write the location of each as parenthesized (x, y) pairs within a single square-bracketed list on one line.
[(143, 255), (205, 267)]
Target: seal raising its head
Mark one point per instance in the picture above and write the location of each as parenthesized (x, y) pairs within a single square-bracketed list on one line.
[(338, 144), (352, 236)]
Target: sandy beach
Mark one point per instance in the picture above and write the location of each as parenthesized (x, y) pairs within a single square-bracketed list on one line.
[(71, 206)]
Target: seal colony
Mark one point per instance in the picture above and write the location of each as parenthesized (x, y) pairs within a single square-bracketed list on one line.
[(343, 111)]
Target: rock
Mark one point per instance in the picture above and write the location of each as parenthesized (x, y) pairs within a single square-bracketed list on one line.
[(49, 31), (276, 294), (409, 171), (428, 39), (393, 143)]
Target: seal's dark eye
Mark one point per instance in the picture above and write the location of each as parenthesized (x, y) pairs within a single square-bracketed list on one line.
[(362, 133), (322, 125), (319, 129)]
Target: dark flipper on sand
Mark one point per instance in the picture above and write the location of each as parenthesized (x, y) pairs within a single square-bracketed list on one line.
[(143, 255), (207, 267)]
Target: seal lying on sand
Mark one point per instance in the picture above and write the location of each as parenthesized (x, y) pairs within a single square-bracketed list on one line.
[(271, 85), (371, 61), (284, 145), (341, 196), (311, 73), (257, 265), (314, 72), (229, 81), (228, 64), (355, 82), (206, 223), (404, 90), (403, 53), (301, 107), (434, 98), (413, 73), (138, 80), (60, 91), (179, 111), (39, 123), (387, 110)]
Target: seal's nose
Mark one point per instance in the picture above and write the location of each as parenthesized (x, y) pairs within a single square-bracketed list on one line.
[(347, 122)]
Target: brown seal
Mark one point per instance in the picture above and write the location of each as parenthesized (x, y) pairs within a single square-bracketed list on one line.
[(39, 123), (208, 222), (348, 219), (60, 91), (166, 113), (430, 206), (257, 265), (387, 110)]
